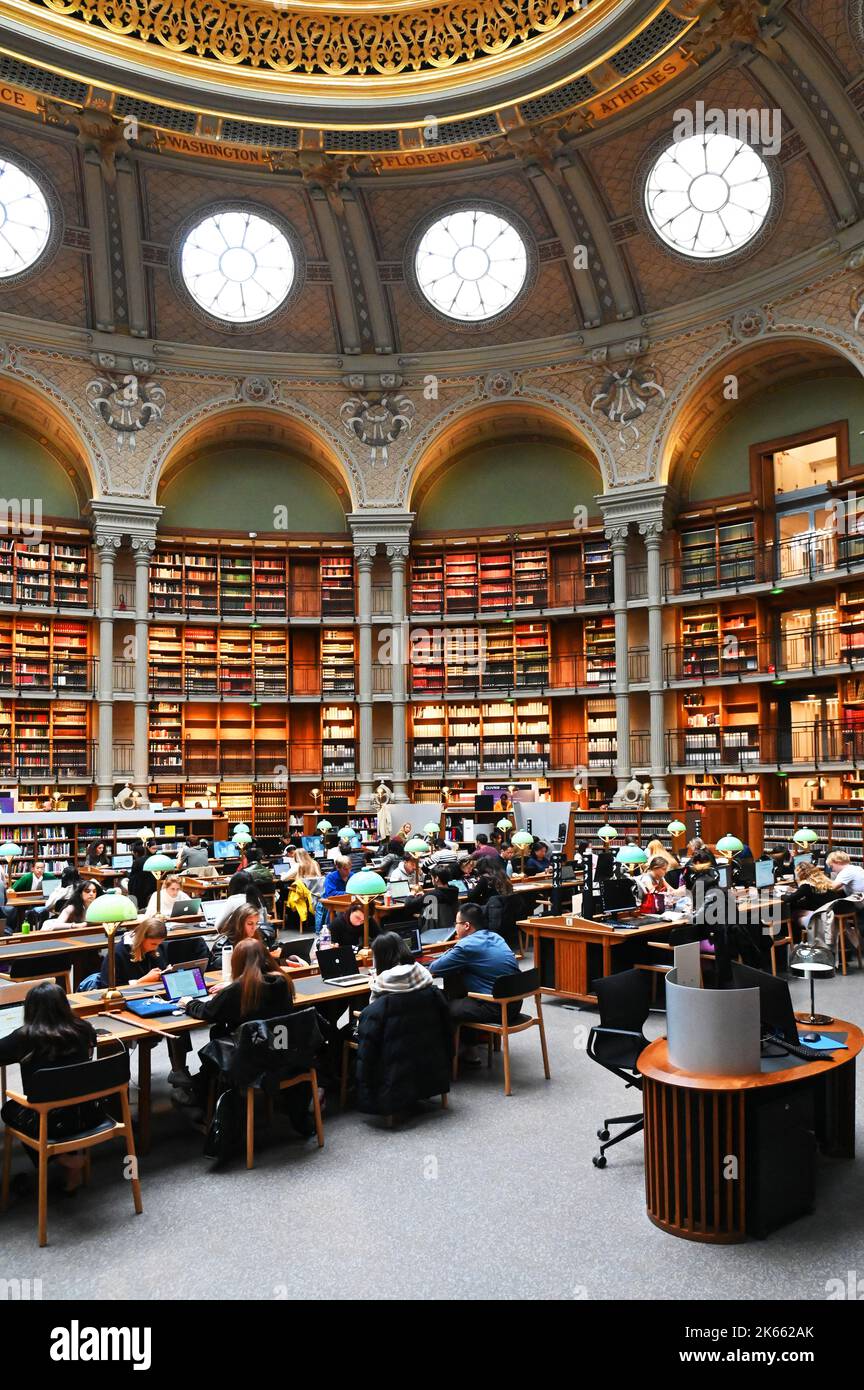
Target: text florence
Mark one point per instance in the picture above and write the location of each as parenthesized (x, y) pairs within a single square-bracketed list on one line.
[(77, 1343)]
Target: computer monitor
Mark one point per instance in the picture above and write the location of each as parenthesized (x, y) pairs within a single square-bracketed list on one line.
[(11, 1017), (617, 894), (121, 861), (399, 889), (484, 804), (776, 1015), (764, 873), (313, 844), (802, 859), (225, 849), (724, 875)]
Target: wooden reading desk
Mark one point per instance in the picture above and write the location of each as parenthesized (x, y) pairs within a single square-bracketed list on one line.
[(561, 951)]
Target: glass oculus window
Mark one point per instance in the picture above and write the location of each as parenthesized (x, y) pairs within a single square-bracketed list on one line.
[(471, 264), (237, 265), (25, 220), (708, 196)]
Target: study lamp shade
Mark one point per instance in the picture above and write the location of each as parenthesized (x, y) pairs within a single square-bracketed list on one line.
[(730, 844), (631, 854), (522, 841), (504, 824), (431, 827), (346, 833), (676, 827), (160, 865), (242, 828), (805, 836), (416, 847), (9, 849), (365, 884), (241, 838), (607, 832), (324, 826)]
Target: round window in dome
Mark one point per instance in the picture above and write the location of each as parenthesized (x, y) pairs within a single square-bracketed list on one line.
[(708, 196), (237, 265), (471, 264), (25, 220)]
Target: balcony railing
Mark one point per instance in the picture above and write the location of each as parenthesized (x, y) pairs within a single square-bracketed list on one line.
[(253, 683), (560, 591), (382, 757), (741, 748), (299, 601), (721, 658), (806, 556), (597, 753), (246, 760), (466, 758), (73, 763)]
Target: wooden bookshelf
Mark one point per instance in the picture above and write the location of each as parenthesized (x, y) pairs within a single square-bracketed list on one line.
[(719, 640), (337, 586), (601, 731), (166, 660), (337, 661), (850, 604), (200, 660), (460, 582), (427, 584), (235, 583), (70, 652), (270, 661), (487, 738), (495, 570), (600, 649), (166, 739), (53, 573), (597, 569), (270, 583), (337, 741), (45, 741), (718, 554), (235, 663), (531, 578)]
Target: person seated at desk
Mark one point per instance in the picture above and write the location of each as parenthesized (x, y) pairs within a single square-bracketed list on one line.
[(698, 848), (783, 861), (653, 883), (701, 869), (260, 871), (51, 1036), (406, 871), (655, 849), (244, 922), (257, 990), (98, 853), (241, 891), (75, 912), (483, 849), (404, 1037), (334, 883), (32, 882), (814, 890), (140, 955), (194, 854), (439, 903), (171, 893), (493, 891), (841, 871), (481, 957), (142, 884), (69, 880), (443, 857), (537, 861), (346, 929)]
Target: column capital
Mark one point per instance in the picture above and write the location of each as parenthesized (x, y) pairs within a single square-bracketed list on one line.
[(364, 555), (617, 535), (398, 554), (107, 543), (652, 530), (143, 548)]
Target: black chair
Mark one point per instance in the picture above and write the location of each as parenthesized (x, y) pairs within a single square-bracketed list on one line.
[(270, 1055), (604, 865), (188, 948), (617, 894), (55, 1089), (617, 1042), (673, 877)]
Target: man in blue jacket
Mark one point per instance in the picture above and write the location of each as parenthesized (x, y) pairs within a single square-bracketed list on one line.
[(481, 957)]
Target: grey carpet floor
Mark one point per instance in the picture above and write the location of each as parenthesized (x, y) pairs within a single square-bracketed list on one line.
[(494, 1198)]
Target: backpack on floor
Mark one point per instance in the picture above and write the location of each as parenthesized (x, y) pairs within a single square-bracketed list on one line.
[(225, 1136)]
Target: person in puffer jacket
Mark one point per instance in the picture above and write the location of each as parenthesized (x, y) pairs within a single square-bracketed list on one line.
[(405, 1038)]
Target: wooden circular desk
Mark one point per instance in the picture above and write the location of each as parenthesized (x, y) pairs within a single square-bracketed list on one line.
[(695, 1124)]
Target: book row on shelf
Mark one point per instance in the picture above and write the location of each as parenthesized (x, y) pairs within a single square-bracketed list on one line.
[(44, 654), (69, 842), (45, 574), (464, 580), (50, 739), (290, 740), (228, 580), (250, 661)]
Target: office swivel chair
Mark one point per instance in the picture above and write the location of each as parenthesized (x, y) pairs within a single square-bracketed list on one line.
[(617, 1042)]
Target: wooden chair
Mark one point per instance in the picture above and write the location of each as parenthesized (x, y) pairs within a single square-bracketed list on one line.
[(509, 989), (283, 1085), (58, 1088), (775, 942), (846, 921)]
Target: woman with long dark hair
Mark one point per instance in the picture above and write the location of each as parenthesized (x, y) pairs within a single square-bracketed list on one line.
[(75, 911), (50, 1036)]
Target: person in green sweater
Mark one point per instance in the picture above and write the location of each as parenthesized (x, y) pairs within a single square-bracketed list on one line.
[(32, 882)]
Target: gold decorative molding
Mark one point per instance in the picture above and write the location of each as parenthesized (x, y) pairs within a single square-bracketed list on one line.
[(328, 42)]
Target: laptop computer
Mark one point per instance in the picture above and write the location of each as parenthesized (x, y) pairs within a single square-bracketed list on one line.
[(802, 859), (121, 861), (764, 873), (192, 908), (776, 1015), (399, 890), (11, 1017), (186, 981), (212, 911), (433, 935), (338, 966)]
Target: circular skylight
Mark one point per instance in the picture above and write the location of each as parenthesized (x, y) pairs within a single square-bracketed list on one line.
[(25, 221), (708, 196), (237, 265), (471, 264)]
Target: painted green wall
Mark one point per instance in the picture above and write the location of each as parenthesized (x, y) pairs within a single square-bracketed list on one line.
[(238, 487), (724, 469), (510, 485), (27, 469)]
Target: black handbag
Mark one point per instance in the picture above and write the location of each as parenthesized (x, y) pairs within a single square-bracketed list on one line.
[(225, 1135)]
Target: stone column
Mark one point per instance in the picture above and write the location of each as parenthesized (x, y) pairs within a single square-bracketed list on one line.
[(143, 548), (364, 557), (106, 551), (618, 537), (398, 555), (652, 532)]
